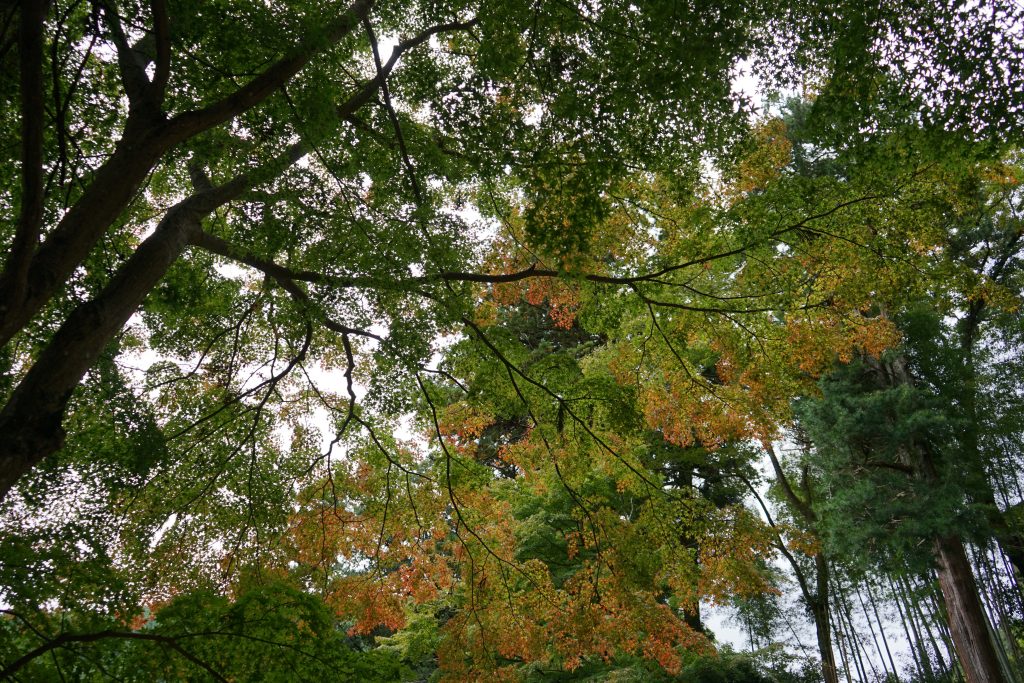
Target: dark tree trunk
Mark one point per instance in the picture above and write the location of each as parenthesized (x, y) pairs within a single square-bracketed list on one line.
[(822, 625), (30, 422), (968, 624)]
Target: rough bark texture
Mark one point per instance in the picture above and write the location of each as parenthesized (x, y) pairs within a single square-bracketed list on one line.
[(967, 621), (31, 420)]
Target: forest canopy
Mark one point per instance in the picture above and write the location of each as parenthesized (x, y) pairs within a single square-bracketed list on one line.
[(473, 341)]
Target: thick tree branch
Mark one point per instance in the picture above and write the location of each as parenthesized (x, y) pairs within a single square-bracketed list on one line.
[(796, 501), (30, 57), (146, 137), (132, 68), (30, 422), (287, 279), (258, 89), (162, 33)]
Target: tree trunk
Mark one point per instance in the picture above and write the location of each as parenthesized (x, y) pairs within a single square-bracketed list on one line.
[(30, 422), (907, 621), (881, 630), (822, 627), (968, 624)]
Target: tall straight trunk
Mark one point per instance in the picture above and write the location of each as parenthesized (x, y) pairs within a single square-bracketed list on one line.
[(842, 651), (822, 627), (936, 617), (862, 653), (823, 631), (983, 492), (908, 624), (847, 634), (994, 601), (881, 628), (968, 624), (874, 636)]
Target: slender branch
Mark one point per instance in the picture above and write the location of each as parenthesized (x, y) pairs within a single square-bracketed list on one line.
[(780, 544), (284, 276), (534, 271), (386, 93), (369, 89), (561, 401), (454, 500)]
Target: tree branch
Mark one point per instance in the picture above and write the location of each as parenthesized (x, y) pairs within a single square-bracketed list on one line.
[(386, 93), (132, 69), (781, 544), (369, 89), (146, 137), (30, 58), (162, 32), (30, 422), (258, 89), (66, 639), (801, 505)]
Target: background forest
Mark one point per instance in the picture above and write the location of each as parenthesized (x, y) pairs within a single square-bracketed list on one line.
[(473, 340)]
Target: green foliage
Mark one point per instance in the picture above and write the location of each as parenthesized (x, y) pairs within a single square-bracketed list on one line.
[(271, 632), (333, 362)]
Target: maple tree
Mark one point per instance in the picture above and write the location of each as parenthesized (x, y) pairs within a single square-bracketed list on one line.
[(230, 223)]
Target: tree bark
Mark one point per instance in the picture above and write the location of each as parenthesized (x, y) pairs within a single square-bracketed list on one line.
[(822, 625), (147, 135), (30, 423), (968, 624)]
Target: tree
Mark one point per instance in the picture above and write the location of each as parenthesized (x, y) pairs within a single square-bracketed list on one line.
[(207, 635), (896, 438), (254, 192)]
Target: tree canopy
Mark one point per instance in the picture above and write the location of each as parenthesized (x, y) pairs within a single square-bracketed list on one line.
[(381, 341)]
